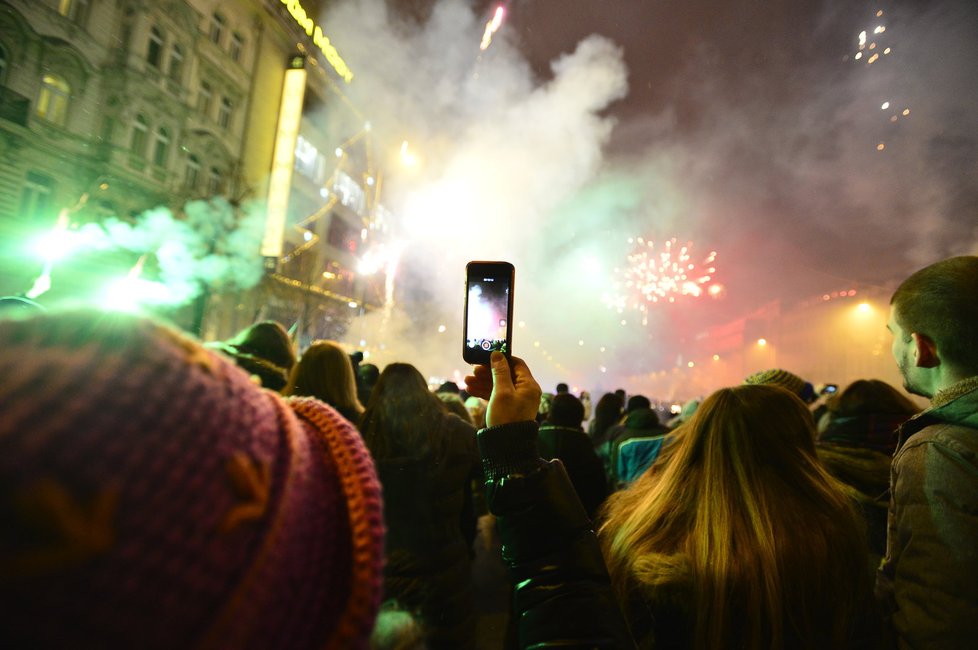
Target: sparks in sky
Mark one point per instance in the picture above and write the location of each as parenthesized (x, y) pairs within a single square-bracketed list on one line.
[(492, 27), (663, 276)]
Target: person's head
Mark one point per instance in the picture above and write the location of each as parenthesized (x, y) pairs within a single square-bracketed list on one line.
[(934, 321), (476, 406), (154, 496), (326, 373), (870, 397), (620, 394), (608, 409), (400, 414), (263, 350), (454, 404), (368, 374), (786, 380), (741, 510), (566, 411), (562, 388), (448, 387), (866, 414), (638, 402)]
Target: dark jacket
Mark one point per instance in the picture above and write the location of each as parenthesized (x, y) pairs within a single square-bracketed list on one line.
[(573, 448), (639, 423), (929, 579), (430, 525), (563, 595)]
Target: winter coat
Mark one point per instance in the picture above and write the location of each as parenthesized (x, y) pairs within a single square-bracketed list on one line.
[(929, 579), (562, 592), (573, 448), (636, 455), (639, 423), (430, 524)]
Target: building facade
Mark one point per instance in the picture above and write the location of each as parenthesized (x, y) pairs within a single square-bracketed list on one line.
[(111, 107)]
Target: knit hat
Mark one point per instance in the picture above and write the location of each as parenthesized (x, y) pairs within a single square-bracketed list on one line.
[(264, 350), (777, 377), (153, 497)]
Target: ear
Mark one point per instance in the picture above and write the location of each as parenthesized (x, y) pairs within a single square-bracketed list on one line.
[(925, 351)]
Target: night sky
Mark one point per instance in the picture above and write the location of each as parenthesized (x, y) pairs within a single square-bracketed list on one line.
[(760, 130)]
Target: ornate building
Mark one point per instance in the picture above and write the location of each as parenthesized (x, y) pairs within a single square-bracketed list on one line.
[(111, 107)]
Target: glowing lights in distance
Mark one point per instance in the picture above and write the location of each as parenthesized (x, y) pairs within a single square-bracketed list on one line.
[(761, 342)]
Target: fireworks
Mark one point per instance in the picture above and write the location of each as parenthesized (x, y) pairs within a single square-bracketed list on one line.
[(663, 276), (492, 27)]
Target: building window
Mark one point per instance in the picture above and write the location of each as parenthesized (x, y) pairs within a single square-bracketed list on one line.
[(154, 53), (137, 143), (224, 114), (214, 181), (35, 199), (193, 172), (176, 63), (237, 46), (204, 98), (73, 10), (218, 25), (161, 147), (52, 102)]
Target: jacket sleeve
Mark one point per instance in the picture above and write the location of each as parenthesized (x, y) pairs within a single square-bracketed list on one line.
[(929, 580), (563, 595)]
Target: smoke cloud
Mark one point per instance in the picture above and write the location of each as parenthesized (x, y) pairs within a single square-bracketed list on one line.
[(759, 137)]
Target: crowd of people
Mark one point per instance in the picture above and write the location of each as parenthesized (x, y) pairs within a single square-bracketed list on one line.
[(160, 492)]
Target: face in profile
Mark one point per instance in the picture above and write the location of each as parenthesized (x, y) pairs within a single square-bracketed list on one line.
[(903, 353)]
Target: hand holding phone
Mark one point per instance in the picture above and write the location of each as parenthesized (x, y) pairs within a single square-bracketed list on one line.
[(488, 310)]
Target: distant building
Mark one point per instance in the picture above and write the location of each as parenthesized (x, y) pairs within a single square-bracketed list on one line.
[(134, 104)]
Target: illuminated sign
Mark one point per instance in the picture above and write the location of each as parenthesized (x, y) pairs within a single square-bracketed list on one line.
[(309, 26), (283, 158)]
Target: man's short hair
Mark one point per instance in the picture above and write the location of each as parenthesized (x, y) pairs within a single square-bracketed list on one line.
[(638, 402), (566, 411), (562, 388), (940, 301)]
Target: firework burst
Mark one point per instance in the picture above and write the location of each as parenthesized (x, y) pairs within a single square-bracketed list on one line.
[(661, 276)]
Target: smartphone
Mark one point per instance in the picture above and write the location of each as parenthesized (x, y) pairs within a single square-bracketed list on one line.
[(829, 389), (488, 310)]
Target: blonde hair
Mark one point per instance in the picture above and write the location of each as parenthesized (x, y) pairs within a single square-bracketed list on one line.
[(742, 511), (326, 373)]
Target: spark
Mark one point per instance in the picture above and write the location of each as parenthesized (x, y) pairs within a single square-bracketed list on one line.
[(653, 277), (492, 27)]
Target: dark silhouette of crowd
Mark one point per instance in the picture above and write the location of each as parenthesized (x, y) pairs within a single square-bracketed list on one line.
[(157, 492)]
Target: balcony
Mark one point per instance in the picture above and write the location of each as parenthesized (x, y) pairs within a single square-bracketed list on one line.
[(14, 107)]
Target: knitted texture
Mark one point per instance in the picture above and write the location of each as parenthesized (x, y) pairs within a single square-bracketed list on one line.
[(777, 377), (154, 497)]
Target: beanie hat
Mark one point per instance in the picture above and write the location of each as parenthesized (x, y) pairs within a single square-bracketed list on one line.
[(777, 377), (152, 496), (264, 350)]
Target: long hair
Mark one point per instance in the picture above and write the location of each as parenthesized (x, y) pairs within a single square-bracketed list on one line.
[(401, 415), (326, 373), (743, 513), (606, 415), (871, 397)]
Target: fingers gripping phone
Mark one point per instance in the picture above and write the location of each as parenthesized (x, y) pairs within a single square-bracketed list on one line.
[(488, 310)]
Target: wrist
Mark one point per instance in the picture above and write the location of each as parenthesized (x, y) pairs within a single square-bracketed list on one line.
[(509, 449)]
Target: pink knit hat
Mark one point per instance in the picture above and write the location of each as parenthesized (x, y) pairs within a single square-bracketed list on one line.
[(153, 497)]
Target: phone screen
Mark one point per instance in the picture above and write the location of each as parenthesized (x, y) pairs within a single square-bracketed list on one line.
[(488, 310)]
